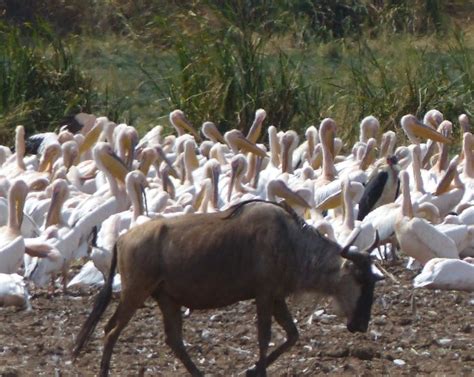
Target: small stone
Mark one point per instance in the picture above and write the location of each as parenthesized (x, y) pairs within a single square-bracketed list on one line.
[(339, 352), (405, 321), (399, 362), (444, 341), (365, 353)]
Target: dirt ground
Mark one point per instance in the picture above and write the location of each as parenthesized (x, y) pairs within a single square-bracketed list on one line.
[(432, 334)]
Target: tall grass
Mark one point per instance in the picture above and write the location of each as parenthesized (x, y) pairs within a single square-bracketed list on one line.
[(39, 83)]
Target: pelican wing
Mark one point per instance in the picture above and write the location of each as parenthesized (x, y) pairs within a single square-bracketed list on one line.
[(441, 273), (441, 245)]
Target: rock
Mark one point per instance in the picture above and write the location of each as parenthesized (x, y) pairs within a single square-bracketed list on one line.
[(338, 352), (399, 362), (444, 342), (363, 353), (467, 328), (405, 321), (9, 372)]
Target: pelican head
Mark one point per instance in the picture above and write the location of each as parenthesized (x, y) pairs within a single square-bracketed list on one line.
[(256, 128), (210, 131), (433, 118), (369, 127), (182, 124), (237, 141), (414, 129), (108, 161)]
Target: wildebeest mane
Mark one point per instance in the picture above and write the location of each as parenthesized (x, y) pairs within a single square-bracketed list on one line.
[(236, 210)]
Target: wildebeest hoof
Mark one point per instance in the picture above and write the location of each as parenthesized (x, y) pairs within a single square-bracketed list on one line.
[(254, 373)]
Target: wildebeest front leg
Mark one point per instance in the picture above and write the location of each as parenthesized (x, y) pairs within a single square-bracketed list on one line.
[(173, 323), (284, 319), (264, 326)]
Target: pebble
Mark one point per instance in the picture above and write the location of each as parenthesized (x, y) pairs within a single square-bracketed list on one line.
[(444, 341), (399, 362), (363, 353)]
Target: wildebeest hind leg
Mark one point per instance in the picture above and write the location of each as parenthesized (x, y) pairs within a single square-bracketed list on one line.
[(264, 325), (284, 319), (114, 327), (173, 323)]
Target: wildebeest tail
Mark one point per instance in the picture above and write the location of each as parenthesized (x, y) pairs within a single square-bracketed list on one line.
[(101, 302)]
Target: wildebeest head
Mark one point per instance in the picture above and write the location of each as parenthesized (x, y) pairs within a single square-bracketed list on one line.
[(355, 292)]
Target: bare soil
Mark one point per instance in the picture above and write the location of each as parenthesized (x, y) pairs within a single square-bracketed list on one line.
[(430, 334)]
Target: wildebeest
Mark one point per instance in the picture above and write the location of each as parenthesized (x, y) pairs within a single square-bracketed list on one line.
[(254, 250)]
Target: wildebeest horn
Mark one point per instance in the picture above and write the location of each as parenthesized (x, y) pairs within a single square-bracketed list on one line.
[(350, 241), (375, 243)]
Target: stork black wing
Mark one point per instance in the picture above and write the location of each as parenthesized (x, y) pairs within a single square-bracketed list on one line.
[(372, 192), (33, 143)]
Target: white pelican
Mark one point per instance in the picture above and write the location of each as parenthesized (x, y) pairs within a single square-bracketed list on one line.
[(256, 128), (464, 123), (414, 129), (12, 243), (447, 274), (418, 238), (13, 291), (369, 127), (181, 124)]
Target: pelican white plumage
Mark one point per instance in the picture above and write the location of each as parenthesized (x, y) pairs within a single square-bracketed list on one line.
[(13, 291), (418, 238), (446, 274), (12, 243)]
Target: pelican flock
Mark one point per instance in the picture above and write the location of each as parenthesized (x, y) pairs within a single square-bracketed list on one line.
[(66, 197)]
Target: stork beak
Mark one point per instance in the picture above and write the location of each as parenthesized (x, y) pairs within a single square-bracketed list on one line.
[(247, 146), (115, 165), (91, 137), (422, 130), (293, 198)]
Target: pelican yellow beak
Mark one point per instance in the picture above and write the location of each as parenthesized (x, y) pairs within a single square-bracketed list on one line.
[(426, 132), (445, 183), (115, 165), (247, 146), (211, 129), (280, 189), (91, 137), (182, 122)]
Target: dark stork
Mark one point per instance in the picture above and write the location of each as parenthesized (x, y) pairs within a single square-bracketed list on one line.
[(80, 122), (381, 188)]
